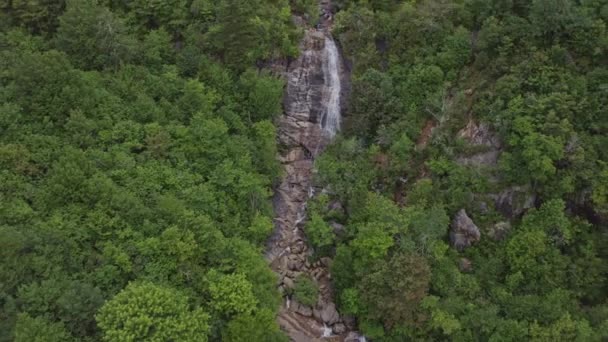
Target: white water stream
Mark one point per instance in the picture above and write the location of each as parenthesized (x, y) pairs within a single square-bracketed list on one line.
[(330, 120)]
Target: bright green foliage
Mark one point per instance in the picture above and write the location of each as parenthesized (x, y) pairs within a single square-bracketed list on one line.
[(257, 327), (151, 312), (261, 226), (319, 233), (262, 92), (306, 291), (137, 146), (231, 294)]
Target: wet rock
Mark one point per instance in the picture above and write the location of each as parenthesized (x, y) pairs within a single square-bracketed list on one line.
[(500, 230), (327, 313), (352, 337), (284, 263), (302, 309), (293, 274), (339, 328), (288, 282), (295, 263), (326, 261), (463, 232), (301, 138), (349, 321)]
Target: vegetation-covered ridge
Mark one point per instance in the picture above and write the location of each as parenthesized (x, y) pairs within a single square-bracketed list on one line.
[(467, 199), (137, 157)]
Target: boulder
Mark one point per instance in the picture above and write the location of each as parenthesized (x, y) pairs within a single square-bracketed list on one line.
[(288, 282), (327, 314), (352, 337), (326, 261), (339, 328), (302, 309), (295, 263), (514, 201), (350, 322), (463, 232), (480, 135)]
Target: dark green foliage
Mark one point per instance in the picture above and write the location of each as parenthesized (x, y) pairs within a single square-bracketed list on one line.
[(92, 36), (427, 75), (132, 153)]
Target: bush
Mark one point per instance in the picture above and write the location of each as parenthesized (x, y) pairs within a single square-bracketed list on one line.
[(306, 291)]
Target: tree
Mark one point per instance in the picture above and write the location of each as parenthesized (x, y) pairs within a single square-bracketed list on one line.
[(392, 291), (231, 294), (373, 103), (318, 232), (151, 312), (306, 291), (260, 228), (260, 326), (92, 36), (38, 329), (263, 95)]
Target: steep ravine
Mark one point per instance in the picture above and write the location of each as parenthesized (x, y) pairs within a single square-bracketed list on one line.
[(310, 120)]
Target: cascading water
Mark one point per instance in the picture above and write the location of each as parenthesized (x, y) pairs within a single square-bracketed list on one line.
[(330, 121), (310, 121)]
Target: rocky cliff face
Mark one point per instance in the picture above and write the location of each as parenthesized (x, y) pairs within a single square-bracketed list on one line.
[(302, 137)]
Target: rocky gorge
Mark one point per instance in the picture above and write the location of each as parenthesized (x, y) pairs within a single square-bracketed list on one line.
[(311, 118)]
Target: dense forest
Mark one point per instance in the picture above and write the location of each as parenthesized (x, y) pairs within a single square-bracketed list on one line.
[(466, 198), (137, 158), (470, 188)]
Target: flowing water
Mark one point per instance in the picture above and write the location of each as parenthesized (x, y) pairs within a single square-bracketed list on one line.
[(310, 121), (330, 121)]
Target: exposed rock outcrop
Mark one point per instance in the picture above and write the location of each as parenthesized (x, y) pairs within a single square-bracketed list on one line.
[(463, 232), (480, 136), (514, 201), (310, 91)]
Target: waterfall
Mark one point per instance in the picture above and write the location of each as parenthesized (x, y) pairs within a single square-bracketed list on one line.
[(330, 121), (326, 331)]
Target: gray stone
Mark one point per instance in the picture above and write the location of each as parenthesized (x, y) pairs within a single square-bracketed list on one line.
[(302, 309), (352, 337), (288, 282), (514, 201), (480, 135), (326, 261), (463, 232), (339, 328), (328, 314)]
